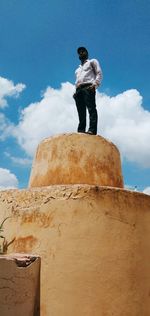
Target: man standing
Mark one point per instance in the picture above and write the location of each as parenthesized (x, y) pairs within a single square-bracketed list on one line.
[(88, 78)]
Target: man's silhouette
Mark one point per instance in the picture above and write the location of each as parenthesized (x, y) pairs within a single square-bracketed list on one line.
[(88, 78)]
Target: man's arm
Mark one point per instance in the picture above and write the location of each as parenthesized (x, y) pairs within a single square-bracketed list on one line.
[(97, 71)]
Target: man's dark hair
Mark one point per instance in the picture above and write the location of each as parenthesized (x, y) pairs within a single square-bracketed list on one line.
[(81, 48)]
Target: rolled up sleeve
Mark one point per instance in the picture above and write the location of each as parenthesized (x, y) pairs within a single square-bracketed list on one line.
[(98, 72)]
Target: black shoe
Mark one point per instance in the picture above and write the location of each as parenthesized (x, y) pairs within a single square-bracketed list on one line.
[(81, 131)]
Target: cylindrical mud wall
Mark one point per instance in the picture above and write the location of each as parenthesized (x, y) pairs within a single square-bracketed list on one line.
[(94, 243), (76, 158)]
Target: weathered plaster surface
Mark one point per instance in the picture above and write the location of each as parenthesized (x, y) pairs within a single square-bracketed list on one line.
[(94, 243), (76, 159), (19, 285)]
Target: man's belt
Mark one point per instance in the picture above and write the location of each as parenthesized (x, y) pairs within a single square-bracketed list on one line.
[(84, 85)]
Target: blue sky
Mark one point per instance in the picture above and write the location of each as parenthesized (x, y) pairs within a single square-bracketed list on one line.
[(37, 63)]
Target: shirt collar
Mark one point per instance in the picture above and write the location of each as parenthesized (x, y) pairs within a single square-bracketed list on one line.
[(84, 63)]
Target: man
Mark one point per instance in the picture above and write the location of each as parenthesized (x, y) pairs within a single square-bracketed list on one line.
[(88, 78)]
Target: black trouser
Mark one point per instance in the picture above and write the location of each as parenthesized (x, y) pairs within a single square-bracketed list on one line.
[(85, 98)]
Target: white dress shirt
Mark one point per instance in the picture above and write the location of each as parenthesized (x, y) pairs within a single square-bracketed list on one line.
[(89, 72)]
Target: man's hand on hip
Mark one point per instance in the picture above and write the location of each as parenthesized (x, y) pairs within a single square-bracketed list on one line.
[(92, 87)]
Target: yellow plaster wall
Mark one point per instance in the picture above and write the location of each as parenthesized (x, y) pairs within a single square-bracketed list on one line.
[(94, 243), (76, 159)]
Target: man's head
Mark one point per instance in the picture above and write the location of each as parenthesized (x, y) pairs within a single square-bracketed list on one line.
[(83, 53)]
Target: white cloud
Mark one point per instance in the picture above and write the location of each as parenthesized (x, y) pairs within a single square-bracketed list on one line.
[(6, 127), (8, 89), (7, 179), (122, 119), (125, 122), (3, 123), (19, 161), (147, 190), (56, 113)]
